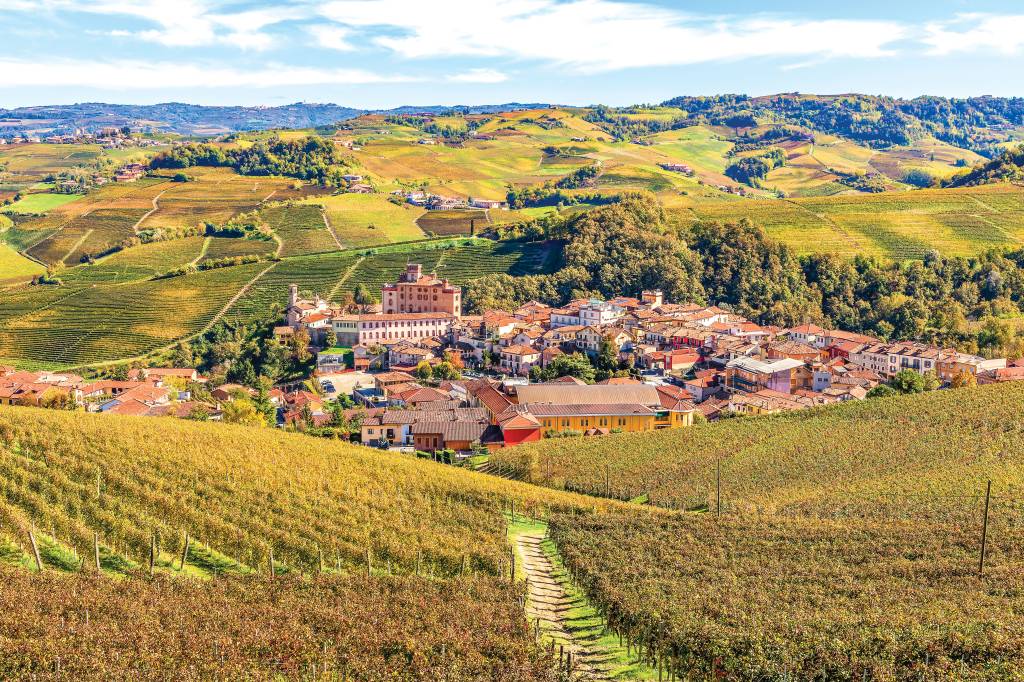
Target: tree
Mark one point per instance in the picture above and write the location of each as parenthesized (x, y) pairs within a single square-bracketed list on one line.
[(57, 399), (261, 401), (182, 356), (963, 379), (907, 381), (882, 391), (198, 413), (363, 297), (424, 372), (931, 380), (575, 365), (242, 411), (445, 370), (300, 345), (330, 338), (118, 373)]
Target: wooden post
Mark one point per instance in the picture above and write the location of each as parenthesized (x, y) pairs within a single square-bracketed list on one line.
[(718, 487), (35, 550), (320, 560), (513, 511), (152, 554), (984, 531), (184, 552), (369, 562), (270, 563), (607, 481), (512, 560), (96, 549)]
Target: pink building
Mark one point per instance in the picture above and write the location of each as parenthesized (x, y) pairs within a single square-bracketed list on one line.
[(369, 330), (415, 292)]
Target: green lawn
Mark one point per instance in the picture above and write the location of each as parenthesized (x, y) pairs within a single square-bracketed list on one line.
[(41, 203), (15, 267)]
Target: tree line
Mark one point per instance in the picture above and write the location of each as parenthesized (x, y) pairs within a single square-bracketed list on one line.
[(311, 158)]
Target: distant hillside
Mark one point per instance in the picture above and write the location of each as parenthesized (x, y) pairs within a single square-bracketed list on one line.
[(193, 119), (1007, 167), (977, 123)]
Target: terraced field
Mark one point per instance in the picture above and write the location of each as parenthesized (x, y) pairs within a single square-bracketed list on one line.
[(302, 228), (74, 325)]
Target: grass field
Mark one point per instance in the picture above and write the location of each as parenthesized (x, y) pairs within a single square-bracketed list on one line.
[(40, 203), (16, 268)]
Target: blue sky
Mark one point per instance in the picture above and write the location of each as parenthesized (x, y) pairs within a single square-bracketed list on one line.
[(384, 53)]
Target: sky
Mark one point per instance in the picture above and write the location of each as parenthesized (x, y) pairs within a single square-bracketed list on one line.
[(384, 53)]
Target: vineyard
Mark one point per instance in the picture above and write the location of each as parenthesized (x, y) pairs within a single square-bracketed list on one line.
[(138, 262), (67, 326), (91, 233), (958, 222), (329, 628), (367, 220), (774, 598), (248, 494), (923, 456), (301, 228)]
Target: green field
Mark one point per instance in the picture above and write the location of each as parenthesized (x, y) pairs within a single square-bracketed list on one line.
[(40, 203), (14, 267)]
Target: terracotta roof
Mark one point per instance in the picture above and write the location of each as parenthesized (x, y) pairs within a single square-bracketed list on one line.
[(519, 350), (492, 399), (641, 394), (587, 410)]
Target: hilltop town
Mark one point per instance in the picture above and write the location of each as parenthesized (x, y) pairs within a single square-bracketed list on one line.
[(413, 373)]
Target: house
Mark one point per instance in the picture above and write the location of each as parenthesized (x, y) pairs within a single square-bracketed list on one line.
[(518, 359), (487, 203), (811, 334), (460, 436), (952, 364), (750, 375), (227, 392), (407, 356)]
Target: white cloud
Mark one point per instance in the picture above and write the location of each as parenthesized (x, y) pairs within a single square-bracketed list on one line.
[(479, 76), (972, 32), (332, 37), (180, 23), (169, 75), (603, 35)]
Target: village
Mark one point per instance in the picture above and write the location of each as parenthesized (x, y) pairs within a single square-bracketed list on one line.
[(413, 373)]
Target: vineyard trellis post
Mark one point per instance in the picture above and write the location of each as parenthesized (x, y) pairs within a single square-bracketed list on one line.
[(718, 488), (184, 552), (96, 549), (984, 530), (270, 562), (152, 554), (35, 550)]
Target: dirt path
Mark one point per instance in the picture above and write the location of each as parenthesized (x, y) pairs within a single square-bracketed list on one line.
[(156, 207), (548, 601), (327, 224)]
